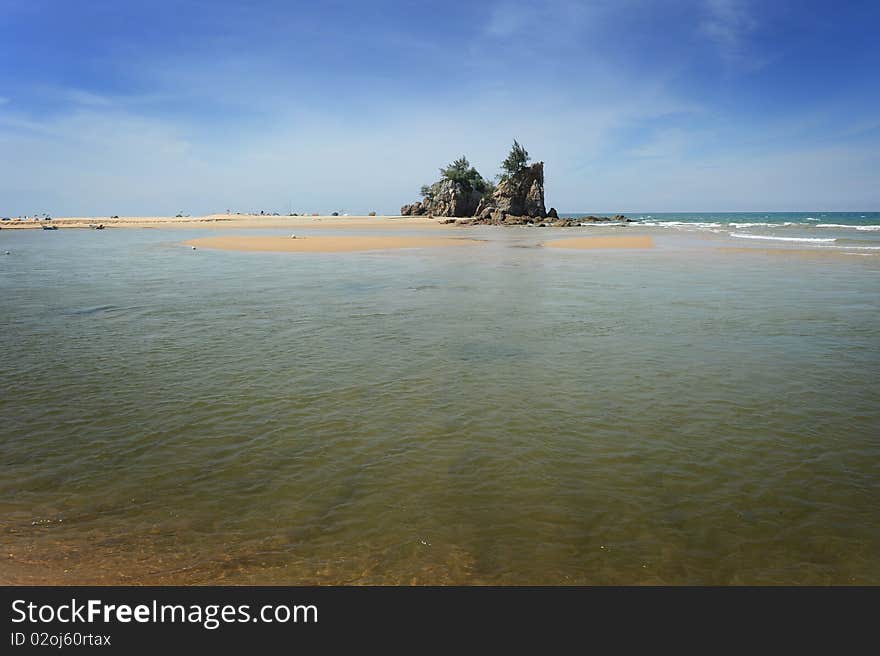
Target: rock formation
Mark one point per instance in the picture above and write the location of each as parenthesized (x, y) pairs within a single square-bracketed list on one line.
[(413, 209), (551, 220), (521, 194), (517, 200), (448, 198), (456, 194)]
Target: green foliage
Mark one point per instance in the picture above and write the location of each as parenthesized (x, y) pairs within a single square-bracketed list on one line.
[(515, 161), (462, 172)]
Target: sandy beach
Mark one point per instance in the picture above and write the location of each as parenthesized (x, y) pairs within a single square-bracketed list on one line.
[(325, 244), (223, 221)]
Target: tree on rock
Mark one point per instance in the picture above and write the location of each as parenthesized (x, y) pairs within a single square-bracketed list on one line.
[(515, 161), (462, 172), (457, 193)]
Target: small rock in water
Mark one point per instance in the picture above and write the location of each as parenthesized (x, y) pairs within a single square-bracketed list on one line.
[(194, 247), (293, 236), (7, 252)]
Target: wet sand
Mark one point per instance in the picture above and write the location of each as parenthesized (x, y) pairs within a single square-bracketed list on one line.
[(325, 244), (587, 243), (794, 252)]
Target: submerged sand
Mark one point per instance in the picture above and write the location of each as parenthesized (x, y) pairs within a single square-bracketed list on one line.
[(325, 244), (822, 252), (584, 243)]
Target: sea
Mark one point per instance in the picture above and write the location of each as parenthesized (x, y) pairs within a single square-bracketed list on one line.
[(841, 230), (703, 412)]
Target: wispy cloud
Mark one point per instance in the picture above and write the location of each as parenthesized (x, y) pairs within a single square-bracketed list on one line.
[(112, 160), (562, 19), (730, 24), (805, 179), (625, 100), (508, 18)]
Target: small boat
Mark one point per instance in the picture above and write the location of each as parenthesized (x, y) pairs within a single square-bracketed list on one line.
[(45, 227)]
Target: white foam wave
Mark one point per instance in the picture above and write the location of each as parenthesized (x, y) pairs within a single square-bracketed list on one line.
[(697, 225), (814, 240), (680, 224), (864, 228)]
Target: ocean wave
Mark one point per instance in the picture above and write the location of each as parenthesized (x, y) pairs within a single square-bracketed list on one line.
[(680, 224), (816, 240), (758, 224), (864, 228)]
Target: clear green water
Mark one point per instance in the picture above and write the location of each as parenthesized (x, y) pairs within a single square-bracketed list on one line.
[(495, 414)]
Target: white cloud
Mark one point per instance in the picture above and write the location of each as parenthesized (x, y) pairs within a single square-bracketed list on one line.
[(563, 20), (247, 131), (730, 23), (109, 160)]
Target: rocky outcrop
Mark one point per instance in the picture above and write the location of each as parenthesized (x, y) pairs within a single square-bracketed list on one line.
[(413, 209), (517, 200), (451, 198), (521, 194), (490, 217), (448, 198)]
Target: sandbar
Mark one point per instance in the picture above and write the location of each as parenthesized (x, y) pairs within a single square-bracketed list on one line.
[(324, 244), (584, 243)]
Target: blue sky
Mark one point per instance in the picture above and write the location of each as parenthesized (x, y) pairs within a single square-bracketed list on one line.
[(138, 107)]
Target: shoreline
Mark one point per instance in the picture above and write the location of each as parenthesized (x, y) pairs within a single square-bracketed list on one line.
[(366, 233), (218, 220)]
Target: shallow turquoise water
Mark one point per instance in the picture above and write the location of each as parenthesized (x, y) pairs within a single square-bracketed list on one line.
[(495, 414)]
